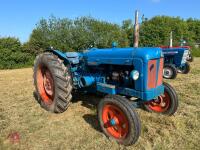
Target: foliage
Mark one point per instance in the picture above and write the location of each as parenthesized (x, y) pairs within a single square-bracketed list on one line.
[(76, 35), (12, 55), (85, 32), (194, 27), (128, 27), (156, 31)]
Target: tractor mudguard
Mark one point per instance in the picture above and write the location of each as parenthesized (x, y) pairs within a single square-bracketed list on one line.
[(68, 58), (60, 54)]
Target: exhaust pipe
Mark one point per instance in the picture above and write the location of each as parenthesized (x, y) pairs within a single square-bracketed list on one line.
[(136, 29)]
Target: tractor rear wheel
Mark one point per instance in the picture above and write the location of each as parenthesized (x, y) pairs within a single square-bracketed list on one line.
[(169, 71), (185, 69), (118, 120), (52, 82), (165, 104)]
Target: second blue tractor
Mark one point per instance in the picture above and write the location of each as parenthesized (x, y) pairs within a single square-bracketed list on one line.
[(176, 61)]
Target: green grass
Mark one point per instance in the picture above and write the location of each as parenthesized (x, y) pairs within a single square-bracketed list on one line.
[(196, 52), (77, 128)]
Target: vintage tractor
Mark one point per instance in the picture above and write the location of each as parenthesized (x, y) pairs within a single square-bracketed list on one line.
[(116, 73), (176, 61)]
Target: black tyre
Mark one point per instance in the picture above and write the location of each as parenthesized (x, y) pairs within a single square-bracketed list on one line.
[(169, 71), (185, 69), (165, 104), (52, 82), (190, 58), (118, 120)]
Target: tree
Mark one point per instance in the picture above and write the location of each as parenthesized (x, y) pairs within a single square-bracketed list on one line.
[(194, 28), (156, 31), (128, 27), (75, 35), (12, 55)]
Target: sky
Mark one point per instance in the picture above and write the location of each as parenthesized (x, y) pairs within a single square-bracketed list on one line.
[(19, 17)]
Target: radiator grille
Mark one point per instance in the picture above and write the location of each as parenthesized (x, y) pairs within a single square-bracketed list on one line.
[(152, 74), (155, 75), (160, 72)]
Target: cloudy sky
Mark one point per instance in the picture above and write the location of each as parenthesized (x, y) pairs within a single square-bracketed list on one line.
[(19, 17)]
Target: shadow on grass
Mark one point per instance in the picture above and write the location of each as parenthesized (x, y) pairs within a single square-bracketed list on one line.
[(92, 120), (89, 101), (35, 95)]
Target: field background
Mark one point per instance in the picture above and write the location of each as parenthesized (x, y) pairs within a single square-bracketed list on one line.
[(77, 128)]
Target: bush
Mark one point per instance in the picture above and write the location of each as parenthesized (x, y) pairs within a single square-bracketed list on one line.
[(12, 54), (75, 35), (82, 33)]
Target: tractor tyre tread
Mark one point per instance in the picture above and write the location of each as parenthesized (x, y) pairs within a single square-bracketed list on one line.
[(173, 104), (174, 71), (62, 83), (187, 69), (131, 115)]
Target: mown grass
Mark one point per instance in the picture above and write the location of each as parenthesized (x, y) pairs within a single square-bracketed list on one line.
[(196, 52), (77, 128)]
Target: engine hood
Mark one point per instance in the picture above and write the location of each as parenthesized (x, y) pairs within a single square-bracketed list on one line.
[(121, 55)]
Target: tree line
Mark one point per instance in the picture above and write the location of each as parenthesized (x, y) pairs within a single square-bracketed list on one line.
[(85, 32)]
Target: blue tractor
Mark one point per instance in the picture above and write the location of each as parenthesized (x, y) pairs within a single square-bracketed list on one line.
[(176, 61), (117, 73)]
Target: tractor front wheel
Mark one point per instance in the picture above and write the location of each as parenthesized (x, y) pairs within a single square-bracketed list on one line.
[(185, 69), (52, 82), (165, 104), (190, 58), (118, 120), (169, 71)]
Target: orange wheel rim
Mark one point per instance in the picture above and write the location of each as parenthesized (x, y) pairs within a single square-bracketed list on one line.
[(45, 84), (161, 104), (115, 121)]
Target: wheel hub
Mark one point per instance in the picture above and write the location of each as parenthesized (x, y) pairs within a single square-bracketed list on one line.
[(161, 104), (115, 121), (112, 122), (168, 72), (45, 84), (159, 101), (48, 83)]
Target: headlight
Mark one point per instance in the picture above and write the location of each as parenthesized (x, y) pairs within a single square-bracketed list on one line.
[(185, 56), (135, 74), (162, 55)]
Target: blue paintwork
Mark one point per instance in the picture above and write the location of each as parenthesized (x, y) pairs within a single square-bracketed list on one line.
[(138, 57), (145, 96), (121, 56), (175, 56), (112, 122), (132, 58), (106, 88), (69, 57), (88, 80)]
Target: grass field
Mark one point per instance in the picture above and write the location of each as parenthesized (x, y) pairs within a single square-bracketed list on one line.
[(77, 128)]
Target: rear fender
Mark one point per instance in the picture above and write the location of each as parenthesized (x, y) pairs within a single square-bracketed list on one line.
[(60, 55)]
